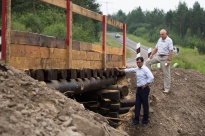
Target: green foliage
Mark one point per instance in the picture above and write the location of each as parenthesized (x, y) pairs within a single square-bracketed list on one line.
[(19, 26), (140, 31), (57, 30), (82, 32), (184, 25), (39, 17), (189, 59)]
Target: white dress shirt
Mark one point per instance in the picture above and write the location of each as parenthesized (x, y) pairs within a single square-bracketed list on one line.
[(143, 75)]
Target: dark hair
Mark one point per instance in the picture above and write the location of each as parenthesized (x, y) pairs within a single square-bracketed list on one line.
[(140, 58)]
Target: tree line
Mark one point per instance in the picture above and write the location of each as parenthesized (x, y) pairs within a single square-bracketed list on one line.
[(186, 26)]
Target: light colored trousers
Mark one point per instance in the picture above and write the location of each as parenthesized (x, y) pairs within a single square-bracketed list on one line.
[(166, 69)]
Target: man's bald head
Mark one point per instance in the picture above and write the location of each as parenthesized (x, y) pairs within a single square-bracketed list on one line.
[(163, 34)]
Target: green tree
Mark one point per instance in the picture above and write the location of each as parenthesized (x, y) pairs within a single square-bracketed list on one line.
[(197, 20), (180, 21), (155, 18), (169, 19)]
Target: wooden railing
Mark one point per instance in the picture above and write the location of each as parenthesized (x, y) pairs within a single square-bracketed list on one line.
[(34, 51)]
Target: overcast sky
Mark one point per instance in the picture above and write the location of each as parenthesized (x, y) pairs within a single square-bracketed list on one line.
[(112, 6)]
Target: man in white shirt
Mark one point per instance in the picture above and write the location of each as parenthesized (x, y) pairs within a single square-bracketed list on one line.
[(163, 48), (144, 77)]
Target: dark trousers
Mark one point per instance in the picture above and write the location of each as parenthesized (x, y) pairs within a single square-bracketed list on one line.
[(142, 99)]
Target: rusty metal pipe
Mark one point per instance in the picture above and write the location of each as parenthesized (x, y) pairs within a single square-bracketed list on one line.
[(78, 86)]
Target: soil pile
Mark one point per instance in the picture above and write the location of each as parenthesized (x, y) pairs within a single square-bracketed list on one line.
[(28, 108), (181, 112)]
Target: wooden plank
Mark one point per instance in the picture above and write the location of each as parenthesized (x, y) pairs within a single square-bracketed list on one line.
[(124, 46), (37, 63), (58, 3), (87, 64), (38, 75), (75, 8), (59, 43), (50, 74), (32, 51), (84, 46), (110, 64), (96, 64), (76, 45), (80, 73), (75, 55), (75, 64), (114, 23), (94, 56), (73, 73), (62, 74), (97, 48), (117, 51), (85, 12), (69, 18), (104, 39), (87, 73), (16, 37), (100, 72), (29, 51), (108, 50), (94, 72), (44, 52), (83, 55), (55, 64), (116, 58), (56, 53), (108, 57), (27, 38), (79, 55), (17, 50), (25, 63)]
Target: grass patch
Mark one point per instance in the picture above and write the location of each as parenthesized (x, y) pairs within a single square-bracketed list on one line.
[(141, 40), (189, 59)]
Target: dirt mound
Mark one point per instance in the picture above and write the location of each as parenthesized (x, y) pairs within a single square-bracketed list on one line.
[(181, 112), (27, 108)]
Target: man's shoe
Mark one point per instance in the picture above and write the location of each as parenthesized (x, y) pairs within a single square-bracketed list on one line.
[(135, 123), (144, 125), (166, 91)]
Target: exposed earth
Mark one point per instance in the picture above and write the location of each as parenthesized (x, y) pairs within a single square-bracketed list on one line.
[(179, 113), (28, 108)]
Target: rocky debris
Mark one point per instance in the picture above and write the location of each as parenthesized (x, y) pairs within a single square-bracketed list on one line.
[(28, 108)]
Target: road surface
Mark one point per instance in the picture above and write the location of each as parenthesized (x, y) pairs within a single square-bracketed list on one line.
[(131, 45)]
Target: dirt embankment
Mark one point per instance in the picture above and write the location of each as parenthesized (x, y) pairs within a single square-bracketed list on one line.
[(181, 112), (28, 108)]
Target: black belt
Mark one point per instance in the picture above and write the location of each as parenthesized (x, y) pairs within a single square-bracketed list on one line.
[(161, 55)]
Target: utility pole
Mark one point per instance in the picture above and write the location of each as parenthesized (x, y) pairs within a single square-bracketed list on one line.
[(107, 3)]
